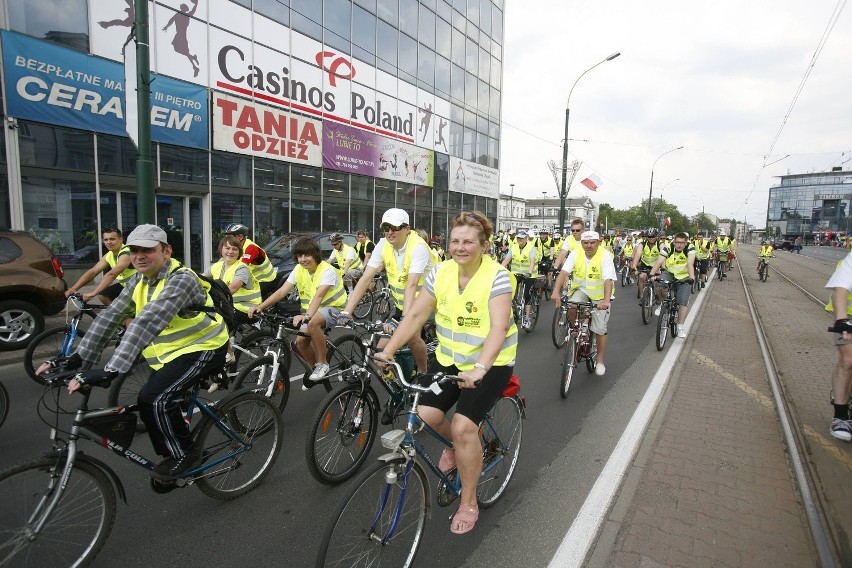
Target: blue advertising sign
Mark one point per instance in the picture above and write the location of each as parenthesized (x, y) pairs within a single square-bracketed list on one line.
[(48, 83)]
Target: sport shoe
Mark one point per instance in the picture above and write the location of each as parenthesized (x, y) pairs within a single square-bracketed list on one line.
[(320, 371), (174, 467), (842, 429), (230, 358), (681, 331), (657, 310), (600, 369)]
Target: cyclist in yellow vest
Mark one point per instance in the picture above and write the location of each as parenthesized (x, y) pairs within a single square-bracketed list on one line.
[(767, 251), (592, 278), (524, 265), (841, 377), (678, 263), (256, 259), (571, 242), (364, 247), (406, 259), (245, 291), (477, 340), (321, 294), (349, 265), (646, 254), (437, 250), (181, 345), (702, 246), (115, 266), (722, 246), (546, 247)]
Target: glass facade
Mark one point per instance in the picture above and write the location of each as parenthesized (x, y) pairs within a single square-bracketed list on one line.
[(449, 48), (807, 205)]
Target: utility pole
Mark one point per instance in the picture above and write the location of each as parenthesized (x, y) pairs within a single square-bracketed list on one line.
[(144, 163)]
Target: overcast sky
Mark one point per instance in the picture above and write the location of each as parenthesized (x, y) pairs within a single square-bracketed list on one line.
[(714, 77)]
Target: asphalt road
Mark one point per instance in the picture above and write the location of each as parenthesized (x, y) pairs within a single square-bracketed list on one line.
[(565, 444)]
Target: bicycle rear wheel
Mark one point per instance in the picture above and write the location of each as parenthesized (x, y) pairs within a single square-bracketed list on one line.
[(647, 303), (74, 532), (124, 390), (343, 432), (500, 434), (347, 351), (255, 344), (258, 377), (569, 363), (47, 345), (383, 307), (359, 532), (662, 326), (559, 328), (238, 461)]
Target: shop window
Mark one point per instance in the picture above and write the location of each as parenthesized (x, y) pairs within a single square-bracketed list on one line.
[(53, 147), (187, 165), (306, 210), (63, 215), (335, 188), (361, 209)]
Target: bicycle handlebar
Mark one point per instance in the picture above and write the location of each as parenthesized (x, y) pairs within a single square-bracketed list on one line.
[(437, 378)]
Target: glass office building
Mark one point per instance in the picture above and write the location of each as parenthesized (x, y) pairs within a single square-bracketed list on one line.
[(808, 205), (283, 115)]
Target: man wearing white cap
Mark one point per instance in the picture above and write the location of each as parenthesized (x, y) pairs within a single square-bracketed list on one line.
[(593, 275), (523, 256), (180, 343), (406, 259)]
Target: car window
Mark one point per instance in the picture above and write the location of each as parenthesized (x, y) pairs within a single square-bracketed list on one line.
[(8, 250)]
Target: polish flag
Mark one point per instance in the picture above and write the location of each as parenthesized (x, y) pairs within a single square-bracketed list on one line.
[(593, 182)]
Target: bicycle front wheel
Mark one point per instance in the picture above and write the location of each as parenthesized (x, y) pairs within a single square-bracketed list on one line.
[(364, 307), (380, 520), (383, 307), (569, 363), (125, 389), (559, 329), (535, 306), (500, 433), (343, 432), (74, 532), (592, 355), (46, 345), (262, 377), (241, 447), (662, 326), (624, 272), (764, 272), (4, 403), (647, 303)]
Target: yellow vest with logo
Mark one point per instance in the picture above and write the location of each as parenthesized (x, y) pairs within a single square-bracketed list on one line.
[(702, 249), (340, 257), (723, 245), (766, 251), (649, 254), (111, 259), (463, 321), (677, 263), (591, 275), (398, 279), (544, 248), (521, 259), (248, 296), (263, 272), (627, 251), (307, 284), (201, 332)]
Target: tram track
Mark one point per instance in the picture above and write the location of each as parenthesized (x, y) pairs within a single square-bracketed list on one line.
[(803, 468)]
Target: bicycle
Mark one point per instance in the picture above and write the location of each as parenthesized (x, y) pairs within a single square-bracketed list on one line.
[(667, 320), (539, 291), (763, 269), (59, 509), (4, 404), (382, 517), (625, 276), (647, 298), (560, 326), (270, 373), (723, 265), (581, 344)]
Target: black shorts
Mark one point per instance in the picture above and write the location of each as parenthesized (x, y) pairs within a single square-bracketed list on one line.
[(472, 403), (112, 291), (702, 265)]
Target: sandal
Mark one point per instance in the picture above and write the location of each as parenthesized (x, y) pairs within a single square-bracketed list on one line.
[(448, 460), (464, 520)]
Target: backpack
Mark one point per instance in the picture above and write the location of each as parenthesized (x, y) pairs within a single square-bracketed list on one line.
[(223, 300)]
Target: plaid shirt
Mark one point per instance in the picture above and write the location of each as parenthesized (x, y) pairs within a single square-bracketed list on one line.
[(182, 289)]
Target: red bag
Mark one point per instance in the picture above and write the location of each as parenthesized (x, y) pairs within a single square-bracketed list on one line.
[(513, 388)]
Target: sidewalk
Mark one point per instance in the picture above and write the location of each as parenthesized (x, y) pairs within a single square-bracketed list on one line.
[(711, 485)]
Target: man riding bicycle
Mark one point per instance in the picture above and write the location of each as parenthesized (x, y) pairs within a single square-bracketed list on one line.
[(678, 263), (766, 252), (702, 256), (722, 246), (522, 255), (349, 265), (646, 254), (545, 246)]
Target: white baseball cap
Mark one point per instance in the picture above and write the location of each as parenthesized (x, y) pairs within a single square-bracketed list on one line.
[(590, 236), (395, 217)]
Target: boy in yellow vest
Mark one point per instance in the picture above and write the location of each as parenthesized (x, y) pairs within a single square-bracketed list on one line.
[(678, 260), (115, 266)]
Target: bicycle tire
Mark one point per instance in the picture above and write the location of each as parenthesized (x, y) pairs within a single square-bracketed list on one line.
[(569, 364), (662, 326), (592, 355), (559, 332), (764, 272), (372, 503), (346, 350), (4, 404), (383, 307), (49, 345), (364, 307), (624, 271), (673, 315), (124, 390), (257, 378), (342, 433), (256, 420), (256, 343), (647, 303), (500, 432), (81, 522), (535, 306)]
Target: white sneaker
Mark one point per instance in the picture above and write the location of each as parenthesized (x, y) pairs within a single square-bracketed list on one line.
[(681, 331), (657, 310), (230, 359), (320, 371), (600, 369)]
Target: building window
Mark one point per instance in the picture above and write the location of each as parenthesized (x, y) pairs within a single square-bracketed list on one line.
[(65, 22), (335, 203), (278, 10), (305, 190), (54, 147), (62, 214)]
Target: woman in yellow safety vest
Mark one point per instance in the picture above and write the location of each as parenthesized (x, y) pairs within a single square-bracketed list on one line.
[(477, 340), (232, 271)]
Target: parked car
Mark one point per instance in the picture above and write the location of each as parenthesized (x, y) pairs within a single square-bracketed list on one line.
[(280, 249), (31, 287), (784, 245)]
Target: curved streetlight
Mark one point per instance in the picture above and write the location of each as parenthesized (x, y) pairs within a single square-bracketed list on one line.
[(651, 191), (563, 192), (665, 186)]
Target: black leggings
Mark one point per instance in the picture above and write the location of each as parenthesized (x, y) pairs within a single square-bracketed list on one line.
[(473, 403)]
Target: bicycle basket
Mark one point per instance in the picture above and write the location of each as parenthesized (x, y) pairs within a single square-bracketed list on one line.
[(120, 428)]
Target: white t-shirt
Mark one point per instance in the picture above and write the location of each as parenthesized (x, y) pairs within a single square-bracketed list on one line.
[(350, 255), (329, 277), (842, 277), (607, 266), (421, 258)]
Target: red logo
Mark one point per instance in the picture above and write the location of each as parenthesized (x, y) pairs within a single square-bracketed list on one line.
[(332, 69)]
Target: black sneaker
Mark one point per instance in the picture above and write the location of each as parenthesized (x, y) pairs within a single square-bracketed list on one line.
[(171, 468)]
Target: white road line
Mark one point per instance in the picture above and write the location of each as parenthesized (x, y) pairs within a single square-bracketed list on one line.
[(579, 538)]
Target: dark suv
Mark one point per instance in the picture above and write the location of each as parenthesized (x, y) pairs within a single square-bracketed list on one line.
[(31, 287)]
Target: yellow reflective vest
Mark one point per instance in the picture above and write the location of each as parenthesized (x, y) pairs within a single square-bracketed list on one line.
[(111, 259), (649, 254), (340, 257), (589, 276), (462, 319), (521, 259), (248, 296), (702, 248), (677, 263), (307, 284), (398, 279)]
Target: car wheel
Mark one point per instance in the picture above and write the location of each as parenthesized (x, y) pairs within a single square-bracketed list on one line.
[(19, 322)]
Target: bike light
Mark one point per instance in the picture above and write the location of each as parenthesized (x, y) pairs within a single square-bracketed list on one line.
[(391, 440)]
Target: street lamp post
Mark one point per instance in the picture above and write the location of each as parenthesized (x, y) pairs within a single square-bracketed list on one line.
[(563, 192), (665, 186), (651, 191), (543, 194), (511, 206)]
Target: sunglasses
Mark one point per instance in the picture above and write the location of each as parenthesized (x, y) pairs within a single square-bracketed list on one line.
[(576, 230), (387, 227), (473, 216)]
